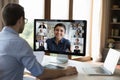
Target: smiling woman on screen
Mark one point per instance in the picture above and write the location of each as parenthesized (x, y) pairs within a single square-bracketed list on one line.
[(59, 43)]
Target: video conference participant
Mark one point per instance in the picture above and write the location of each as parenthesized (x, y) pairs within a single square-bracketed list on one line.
[(59, 43), (15, 52), (77, 50), (42, 25)]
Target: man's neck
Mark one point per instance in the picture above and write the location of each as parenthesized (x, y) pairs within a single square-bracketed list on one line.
[(15, 28)]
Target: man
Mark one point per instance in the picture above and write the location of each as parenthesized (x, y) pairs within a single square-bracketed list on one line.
[(16, 54)]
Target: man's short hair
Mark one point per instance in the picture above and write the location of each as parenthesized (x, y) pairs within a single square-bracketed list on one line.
[(11, 13)]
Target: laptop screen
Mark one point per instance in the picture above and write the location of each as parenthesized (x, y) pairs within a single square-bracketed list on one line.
[(111, 60)]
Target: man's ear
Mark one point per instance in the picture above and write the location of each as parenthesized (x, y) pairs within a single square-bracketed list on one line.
[(20, 20)]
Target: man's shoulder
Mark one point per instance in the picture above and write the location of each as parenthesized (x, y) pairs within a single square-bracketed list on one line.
[(23, 40), (17, 39)]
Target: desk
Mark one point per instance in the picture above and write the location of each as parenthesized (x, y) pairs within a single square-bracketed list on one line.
[(81, 75), (79, 65)]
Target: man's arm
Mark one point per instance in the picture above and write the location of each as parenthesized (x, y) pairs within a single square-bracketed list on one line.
[(49, 74)]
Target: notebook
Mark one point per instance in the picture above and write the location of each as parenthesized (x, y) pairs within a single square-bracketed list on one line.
[(108, 67), (53, 66), (39, 56)]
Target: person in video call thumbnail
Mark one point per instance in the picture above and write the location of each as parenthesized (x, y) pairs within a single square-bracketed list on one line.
[(42, 29), (42, 25), (58, 43), (40, 42), (41, 32), (77, 42), (76, 50), (16, 54)]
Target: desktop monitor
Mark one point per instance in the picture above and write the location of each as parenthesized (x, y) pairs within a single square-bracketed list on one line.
[(75, 33)]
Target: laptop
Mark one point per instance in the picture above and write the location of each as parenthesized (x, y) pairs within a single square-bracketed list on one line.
[(108, 67)]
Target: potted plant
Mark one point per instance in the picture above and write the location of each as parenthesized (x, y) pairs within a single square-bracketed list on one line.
[(115, 19), (111, 43)]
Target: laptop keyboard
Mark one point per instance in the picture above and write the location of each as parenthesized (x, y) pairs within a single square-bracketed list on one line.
[(94, 70), (99, 70)]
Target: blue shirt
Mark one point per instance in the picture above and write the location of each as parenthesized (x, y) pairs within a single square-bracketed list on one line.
[(15, 55), (63, 45)]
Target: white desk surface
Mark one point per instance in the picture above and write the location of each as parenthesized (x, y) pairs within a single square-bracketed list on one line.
[(79, 65)]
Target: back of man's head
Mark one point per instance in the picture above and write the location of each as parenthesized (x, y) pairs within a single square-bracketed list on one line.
[(11, 13)]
